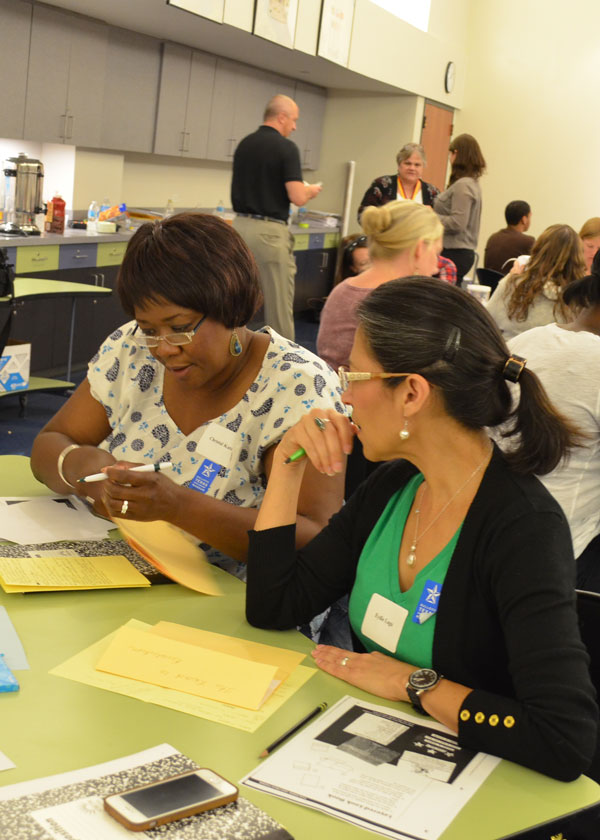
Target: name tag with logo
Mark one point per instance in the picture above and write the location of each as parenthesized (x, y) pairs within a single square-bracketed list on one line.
[(216, 450), (428, 602), (383, 622)]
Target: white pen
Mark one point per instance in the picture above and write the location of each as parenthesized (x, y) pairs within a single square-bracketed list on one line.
[(164, 465)]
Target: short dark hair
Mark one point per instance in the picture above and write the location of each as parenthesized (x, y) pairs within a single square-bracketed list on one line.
[(515, 210), (194, 260), (426, 326)]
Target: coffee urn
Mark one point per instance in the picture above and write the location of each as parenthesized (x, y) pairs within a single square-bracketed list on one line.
[(23, 186)]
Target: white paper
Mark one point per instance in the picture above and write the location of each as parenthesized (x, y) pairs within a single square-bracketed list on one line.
[(49, 519), (10, 644), (386, 771), (5, 762), (83, 819)]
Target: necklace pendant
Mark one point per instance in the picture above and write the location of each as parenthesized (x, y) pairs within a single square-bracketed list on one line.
[(411, 559)]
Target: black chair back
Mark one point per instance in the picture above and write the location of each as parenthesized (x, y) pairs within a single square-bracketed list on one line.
[(489, 277)]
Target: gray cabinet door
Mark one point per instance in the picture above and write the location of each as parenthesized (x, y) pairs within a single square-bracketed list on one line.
[(16, 28), (199, 102), (65, 81), (48, 76), (311, 101), (169, 136), (130, 91), (221, 142)]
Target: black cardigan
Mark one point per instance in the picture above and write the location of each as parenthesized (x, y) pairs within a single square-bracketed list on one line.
[(385, 189), (506, 623)]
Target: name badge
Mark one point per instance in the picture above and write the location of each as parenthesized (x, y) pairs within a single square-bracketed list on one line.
[(428, 602), (383, 622), (216, 450)]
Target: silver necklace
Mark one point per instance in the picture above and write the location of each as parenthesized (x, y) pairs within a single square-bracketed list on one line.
[(412, 554)]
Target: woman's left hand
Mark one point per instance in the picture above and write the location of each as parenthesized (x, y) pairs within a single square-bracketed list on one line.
[(139, 495), (374, 672)]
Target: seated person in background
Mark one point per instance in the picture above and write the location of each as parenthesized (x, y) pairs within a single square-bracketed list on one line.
[(354, 257), (566, 358), (533, 298), (407, 184), (590, 238), (510, 242), (459, 547), (187, 382), (404, 238)]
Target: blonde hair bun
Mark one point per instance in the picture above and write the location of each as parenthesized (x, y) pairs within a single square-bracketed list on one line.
[(376, 220)]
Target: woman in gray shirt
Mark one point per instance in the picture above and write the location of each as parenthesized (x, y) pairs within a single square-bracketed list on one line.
[(459, 207)]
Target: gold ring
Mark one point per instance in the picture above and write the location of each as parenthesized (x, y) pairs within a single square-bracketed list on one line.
[(321, 423), (345, 660), (124, 507)]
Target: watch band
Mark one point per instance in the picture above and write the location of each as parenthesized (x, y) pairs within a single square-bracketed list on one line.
[(414, 690)]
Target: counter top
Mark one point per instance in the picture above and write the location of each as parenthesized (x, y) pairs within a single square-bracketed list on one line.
[(81, 237)]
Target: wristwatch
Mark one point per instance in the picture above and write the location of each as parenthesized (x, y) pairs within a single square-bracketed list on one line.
[(420, 681)]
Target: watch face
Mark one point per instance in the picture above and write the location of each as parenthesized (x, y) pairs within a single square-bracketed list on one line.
[(423, 678)]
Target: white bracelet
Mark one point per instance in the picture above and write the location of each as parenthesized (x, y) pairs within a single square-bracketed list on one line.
[(59, 463)]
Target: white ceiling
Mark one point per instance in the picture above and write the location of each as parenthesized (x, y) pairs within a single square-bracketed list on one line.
[(156, 18)]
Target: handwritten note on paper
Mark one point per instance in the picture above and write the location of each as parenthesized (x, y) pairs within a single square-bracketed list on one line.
[(82, 668), (153, 659), (284, 660), (43, 574), (172, 553)]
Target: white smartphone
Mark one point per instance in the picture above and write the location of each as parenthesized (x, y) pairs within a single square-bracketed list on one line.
[(171, 799)]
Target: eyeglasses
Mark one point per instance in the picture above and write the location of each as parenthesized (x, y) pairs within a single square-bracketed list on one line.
[(347, 376), (174, 339)]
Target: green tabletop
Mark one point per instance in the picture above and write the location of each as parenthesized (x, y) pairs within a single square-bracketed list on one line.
[(53, 725)]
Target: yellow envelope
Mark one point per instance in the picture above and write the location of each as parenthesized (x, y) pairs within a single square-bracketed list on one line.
[(284, 660), (48, 574), (154, 659), (171, 552)]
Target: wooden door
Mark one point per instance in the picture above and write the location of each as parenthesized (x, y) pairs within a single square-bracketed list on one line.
[(435, 138)]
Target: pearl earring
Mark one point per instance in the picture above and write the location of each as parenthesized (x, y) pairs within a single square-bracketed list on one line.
[(405, 434)]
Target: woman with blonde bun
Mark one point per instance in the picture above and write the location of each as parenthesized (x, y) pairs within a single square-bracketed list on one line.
[(404, 238)]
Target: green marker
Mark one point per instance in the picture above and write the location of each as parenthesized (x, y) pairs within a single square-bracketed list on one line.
[(299, 453)]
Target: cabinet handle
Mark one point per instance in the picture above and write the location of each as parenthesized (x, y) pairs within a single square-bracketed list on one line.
[(101, 276), (181, 141), (232, 143), (305, 157), (81, 256), (94, 278), (324, 259), (69, 132), (187, 145), (62, 129), (39, 259)]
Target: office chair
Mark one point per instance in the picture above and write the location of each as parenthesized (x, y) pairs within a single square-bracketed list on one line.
[(489, 277)]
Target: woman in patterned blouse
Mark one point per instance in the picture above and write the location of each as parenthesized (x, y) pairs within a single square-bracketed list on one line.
[(188, 383)]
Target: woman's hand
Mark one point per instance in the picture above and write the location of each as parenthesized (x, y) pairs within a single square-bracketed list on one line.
[(325, 435), (149, 496), (374, 672)]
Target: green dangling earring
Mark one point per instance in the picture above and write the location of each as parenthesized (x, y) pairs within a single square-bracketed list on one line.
[(235, 346)]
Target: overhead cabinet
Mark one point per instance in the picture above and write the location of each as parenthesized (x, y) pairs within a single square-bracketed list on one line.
[(15, 27), (130, 91), (184, 101), (65, 82)]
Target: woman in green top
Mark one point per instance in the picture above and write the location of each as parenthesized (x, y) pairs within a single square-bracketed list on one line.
[(458, 562)]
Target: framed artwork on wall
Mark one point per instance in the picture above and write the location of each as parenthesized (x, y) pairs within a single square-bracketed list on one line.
[(211, 9), (335, 32), (275, 20)]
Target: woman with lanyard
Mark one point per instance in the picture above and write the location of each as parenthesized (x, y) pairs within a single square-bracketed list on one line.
[(458, 561), (405, 185)]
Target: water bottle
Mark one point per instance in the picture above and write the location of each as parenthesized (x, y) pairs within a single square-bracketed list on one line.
[(220, 210), (170, 208), (92, 217)]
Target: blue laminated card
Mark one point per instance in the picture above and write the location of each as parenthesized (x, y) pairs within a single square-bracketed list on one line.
[(7, 678)]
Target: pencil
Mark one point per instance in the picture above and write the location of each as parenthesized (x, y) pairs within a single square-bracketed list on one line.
[(164, 465), (299, 453), (321, 707)]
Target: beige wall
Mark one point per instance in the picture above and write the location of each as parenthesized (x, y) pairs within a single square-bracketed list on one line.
[(531, 99), (368, 129)]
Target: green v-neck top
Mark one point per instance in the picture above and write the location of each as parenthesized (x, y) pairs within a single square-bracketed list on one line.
[(410, 628)]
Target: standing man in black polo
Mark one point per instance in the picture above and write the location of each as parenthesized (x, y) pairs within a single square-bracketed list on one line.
[(266, 177)]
